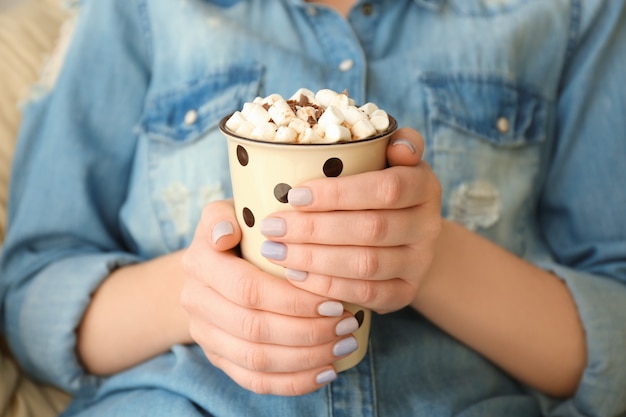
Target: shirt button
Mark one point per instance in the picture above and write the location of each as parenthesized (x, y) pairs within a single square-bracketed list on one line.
[(311, 10), (367, 9), (503, 125), (191, 117), (346, 65)]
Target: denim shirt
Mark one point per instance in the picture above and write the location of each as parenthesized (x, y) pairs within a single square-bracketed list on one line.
[(522, 105)]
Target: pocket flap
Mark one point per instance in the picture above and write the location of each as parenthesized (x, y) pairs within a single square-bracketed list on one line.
[(490, 107), (184, 113)]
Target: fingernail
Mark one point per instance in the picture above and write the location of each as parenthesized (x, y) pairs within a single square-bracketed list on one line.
[(330, 309), (295, 275), (325, 377), (346, 326), (299, 197), (273, 250), (220, 230), (345, 346), (273, 226), (404, 142)]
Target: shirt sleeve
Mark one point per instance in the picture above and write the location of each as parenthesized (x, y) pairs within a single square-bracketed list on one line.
[(582, 210), (70, 173)]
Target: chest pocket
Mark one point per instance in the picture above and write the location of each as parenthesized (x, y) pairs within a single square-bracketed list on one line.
[(486, 137), (182, 157)]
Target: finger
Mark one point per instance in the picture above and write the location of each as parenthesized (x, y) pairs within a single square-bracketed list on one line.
[(406, 148), (284, 384), (263, 327), (356, 262), (218, 225), (246, 285), (358, 228), (380, 296), (391, 188), (261, 357)]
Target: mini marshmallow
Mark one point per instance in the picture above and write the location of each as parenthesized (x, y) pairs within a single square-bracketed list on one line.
[(281, 113), (285, 134), (368, 108), (340, 100), (337, 133), (325, 97), (332, 116), (245, 129), (256, 114), (298, 125), (272, 98), (380, 120), (362, 129), (264, 131), (235, 121), (352, 115), (309, 136), (304, 92)]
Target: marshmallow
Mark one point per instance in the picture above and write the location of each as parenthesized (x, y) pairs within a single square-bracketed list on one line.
[(245, 129), (380, 120), (363, 129), (264, 131), (235, 121), (325, 97), (286, 134), (298, 125), (368, 108), (281, 113), (256, 113), (332, 116), (337, 133), (306, 114), (272, 98), (304, 92), (309, 136), (352, 115)]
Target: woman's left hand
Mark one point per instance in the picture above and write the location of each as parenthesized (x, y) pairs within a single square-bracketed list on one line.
[(366, 239)]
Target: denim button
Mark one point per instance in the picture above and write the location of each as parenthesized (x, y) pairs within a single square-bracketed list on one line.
[(502, 125), (346, 65), (191, 117)]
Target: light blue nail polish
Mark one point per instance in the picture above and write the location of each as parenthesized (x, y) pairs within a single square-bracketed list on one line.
[(345, 346), (300, 196), (273, 226), (325, 377), (346, 326), (220, 230), (404, 142), (273, 250), (295, 275), (330, 309)]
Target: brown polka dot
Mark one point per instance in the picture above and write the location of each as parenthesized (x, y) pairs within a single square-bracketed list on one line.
[(359, 316), (280, 192), (248, 217), (333, 167), (242, 155)]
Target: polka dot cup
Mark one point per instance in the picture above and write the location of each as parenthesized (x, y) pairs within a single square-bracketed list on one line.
[(262, 173)]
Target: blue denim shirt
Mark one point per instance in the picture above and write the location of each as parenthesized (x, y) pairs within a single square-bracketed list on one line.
[(522, 105)]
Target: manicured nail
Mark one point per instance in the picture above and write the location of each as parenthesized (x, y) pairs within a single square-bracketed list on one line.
[(295, 275), (220, 230), (346, 326), (404, 142), (273, 250), (325, 377), (273, 226), (345, 346), (299, 196), (330, 309)]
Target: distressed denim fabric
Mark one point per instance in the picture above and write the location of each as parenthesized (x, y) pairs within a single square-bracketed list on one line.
[(521, 104)]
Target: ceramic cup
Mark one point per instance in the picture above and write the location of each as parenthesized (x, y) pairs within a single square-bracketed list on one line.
[(262, 173)]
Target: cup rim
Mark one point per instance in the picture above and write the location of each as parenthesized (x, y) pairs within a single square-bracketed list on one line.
[(393, 125)]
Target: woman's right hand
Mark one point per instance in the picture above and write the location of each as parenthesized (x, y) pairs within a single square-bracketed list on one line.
[(267, 335)]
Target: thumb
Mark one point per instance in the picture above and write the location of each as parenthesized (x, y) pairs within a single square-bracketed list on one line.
[(405, 148), (218, 225)]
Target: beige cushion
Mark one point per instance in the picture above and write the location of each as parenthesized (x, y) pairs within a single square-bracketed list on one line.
[(28, 33)]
